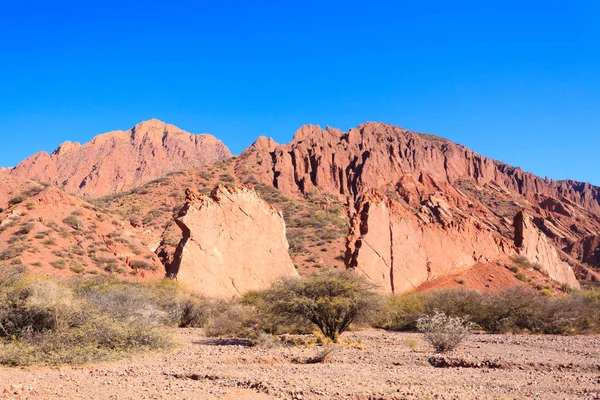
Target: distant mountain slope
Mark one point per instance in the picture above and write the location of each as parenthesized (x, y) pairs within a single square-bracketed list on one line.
[(376, 155), (122, 160)]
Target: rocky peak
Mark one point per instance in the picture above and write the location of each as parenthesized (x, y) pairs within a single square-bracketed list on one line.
[(121, 160)]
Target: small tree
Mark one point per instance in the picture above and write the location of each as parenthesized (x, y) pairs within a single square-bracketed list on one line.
[(329, 299), (443, 332)]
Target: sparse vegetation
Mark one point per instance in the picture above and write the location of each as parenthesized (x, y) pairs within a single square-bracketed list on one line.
[(45, 322), (516, 309)]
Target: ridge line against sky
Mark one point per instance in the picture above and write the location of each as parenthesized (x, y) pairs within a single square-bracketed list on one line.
[(515, 81), (285, 142)]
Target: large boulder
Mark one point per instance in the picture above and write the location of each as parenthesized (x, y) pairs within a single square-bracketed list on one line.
[(232, 242)]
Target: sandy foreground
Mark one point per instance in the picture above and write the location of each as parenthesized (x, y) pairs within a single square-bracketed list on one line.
[(537, 367)]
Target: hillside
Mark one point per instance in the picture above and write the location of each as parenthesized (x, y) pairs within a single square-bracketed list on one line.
[(408, 210)]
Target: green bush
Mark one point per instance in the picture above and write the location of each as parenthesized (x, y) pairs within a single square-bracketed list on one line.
[(17, 200), (73, 222), (331, 300)]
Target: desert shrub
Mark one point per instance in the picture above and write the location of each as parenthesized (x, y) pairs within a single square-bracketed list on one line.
[(400, 312), (49, 242), (10, 253), (30, 305), (73, 222), (522, 277), (233, 319), (141, 264), (78, 269), (330, 300), (182, 308), (443, 332), (522, 262), (25, 229), (17, 200), (43, 321), (58, 264)]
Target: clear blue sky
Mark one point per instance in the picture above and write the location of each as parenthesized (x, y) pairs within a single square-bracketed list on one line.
[(515, 80)]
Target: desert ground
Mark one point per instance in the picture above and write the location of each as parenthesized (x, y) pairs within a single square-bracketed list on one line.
[(372, 365)]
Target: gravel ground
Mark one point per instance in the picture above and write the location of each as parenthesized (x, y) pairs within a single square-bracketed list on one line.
[(378, 365)]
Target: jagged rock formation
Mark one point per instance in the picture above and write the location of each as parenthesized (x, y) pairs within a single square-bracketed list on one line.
[(232, 242), (436, 199), (118, 161), (377, 155)]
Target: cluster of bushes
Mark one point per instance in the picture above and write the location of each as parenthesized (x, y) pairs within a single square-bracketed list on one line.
[(47, 322), (44, 321), (517, 309)]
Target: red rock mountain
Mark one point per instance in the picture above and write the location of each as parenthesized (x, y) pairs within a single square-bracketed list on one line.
[(377, 155), (118, 161), (422, 207), (410, 211)]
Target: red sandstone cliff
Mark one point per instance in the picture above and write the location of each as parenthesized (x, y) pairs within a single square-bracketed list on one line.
[(422, 207)]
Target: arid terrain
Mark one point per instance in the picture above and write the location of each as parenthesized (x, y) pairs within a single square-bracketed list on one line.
[(175, 231), (380, 365)]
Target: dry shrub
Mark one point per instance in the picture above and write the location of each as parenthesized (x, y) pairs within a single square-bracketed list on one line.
[(516, 309), (443, 332), (46, 322)]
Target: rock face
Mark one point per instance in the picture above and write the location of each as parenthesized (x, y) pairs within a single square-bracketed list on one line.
[(399, 251), (587, 250), (118, 161), (535, 246), (422, 207), (233, 242)]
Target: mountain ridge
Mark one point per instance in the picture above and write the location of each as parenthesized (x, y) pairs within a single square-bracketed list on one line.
[(363, 199), (121, 160)]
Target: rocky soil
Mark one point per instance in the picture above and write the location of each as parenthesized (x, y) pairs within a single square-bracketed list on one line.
[(378, 365)]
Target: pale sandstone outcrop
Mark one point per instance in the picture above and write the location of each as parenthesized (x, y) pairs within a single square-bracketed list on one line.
[(233, 242)]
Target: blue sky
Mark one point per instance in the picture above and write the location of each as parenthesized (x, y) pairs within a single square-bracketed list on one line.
[(518, 81)]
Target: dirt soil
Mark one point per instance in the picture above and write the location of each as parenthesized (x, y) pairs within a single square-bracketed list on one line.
[(390, 366)]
